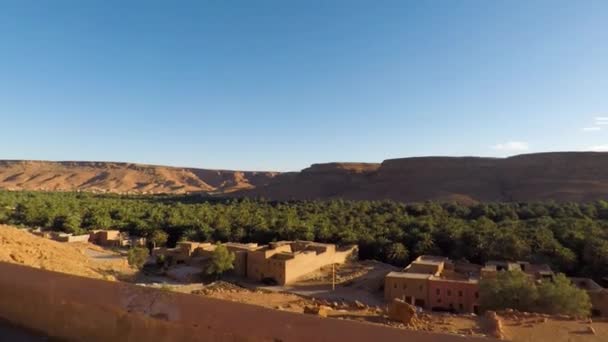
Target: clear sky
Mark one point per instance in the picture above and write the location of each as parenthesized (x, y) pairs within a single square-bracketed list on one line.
[(278, 85)]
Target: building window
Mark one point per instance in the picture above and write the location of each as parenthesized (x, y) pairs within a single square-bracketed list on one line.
[(460, 306), (459, 293), (449, 292), (404, 286), (395, 285), (438, 300), (476, 294), (420, 287), (438, 291)]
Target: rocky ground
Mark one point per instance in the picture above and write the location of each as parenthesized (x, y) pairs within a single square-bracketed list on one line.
[(509, 325)]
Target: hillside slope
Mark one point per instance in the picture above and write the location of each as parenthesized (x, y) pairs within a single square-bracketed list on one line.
[(20, 247), (560, 176), (123, 177)]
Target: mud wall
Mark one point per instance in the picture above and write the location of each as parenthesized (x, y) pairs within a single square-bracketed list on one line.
[(84, 309)]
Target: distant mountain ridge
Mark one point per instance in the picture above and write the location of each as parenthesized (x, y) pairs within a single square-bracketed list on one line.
[(559, 176), (123, 177)]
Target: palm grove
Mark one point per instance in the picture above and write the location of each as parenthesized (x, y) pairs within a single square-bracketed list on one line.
[(570, 237)]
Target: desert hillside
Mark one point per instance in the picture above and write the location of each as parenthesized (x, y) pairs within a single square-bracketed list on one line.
[(20, 247), (560, 176), (123, 177)]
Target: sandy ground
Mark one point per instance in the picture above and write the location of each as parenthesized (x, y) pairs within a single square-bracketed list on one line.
[(527, 330), (465, 325), (20, 247), (355, 281), (554, 330)]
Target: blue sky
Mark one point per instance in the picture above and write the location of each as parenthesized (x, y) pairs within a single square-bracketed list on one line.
[(278, 85)]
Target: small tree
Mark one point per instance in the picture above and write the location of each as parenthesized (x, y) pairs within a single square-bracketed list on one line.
[(158, 238), (221, 261), (560, 296), (510, 289), (68, 223), (137, 257), (397, 254)]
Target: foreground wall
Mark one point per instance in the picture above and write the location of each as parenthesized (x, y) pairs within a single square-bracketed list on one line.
[(86, 309)]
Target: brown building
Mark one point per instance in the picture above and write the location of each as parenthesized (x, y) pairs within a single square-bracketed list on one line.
[(241, 251), (63, 237), (436, 283), (460, 295), (115, 238), (285, 261), (185, 252)]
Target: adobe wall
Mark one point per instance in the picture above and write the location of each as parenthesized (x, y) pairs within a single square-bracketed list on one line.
[(304, 263), (84, 309), (402, 288), (259, 267), (73, 238), (308, 261), (443, 293)]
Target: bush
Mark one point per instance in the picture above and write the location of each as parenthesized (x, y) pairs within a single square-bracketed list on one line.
[(221, 261), (512, 289), (137, 257), (516, 290), (561, 297)]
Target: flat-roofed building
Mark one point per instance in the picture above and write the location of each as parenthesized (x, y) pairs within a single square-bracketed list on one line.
[(282, 261), (286, 261), (438, 283), (410, 287)]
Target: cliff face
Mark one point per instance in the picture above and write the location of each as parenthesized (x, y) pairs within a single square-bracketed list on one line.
[(560, 176)]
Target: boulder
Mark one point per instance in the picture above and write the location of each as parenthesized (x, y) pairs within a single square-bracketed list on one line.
[(359, 305), (494, 325), (401, 311), (320, 310)]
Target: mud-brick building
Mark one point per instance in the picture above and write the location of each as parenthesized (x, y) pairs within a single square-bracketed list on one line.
[(286, 261), (436, 283)]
